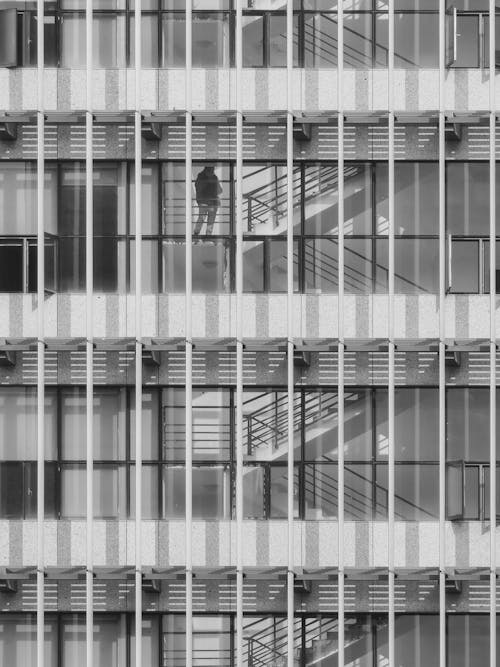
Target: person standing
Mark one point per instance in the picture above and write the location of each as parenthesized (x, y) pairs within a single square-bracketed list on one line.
[(208, 189)]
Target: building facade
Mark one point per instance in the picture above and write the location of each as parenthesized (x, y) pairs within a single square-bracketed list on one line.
[(248, 356)]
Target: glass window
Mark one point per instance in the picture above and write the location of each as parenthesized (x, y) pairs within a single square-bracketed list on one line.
[(211, 267), (150, 497), (320, 425), (416, 266), (173, 28), (211, 492), (150, 422), (279, 493), (18, 198), (320, 262), (210, 40), (212, 193), (12, 266), (253, 40), (264, 424), (467, 424), (18, 424), (265, 198), (108, 41), (320, 491), (8, 37), (277, 40), (18, 640), (321, 199), (358, 199), (467, 639), (467, 198), (417, 640), (109, 407), (211, 425), (416, 423), (416, 198), (109, 640), (416, 492), (150, 641), (358, 491), (149, 201), (149, 41), (358, 632), (173, 186), (358, 41), (18, 490), (110, 491), (253, 266), (464, 278), (320, 40), (416, 40), (211, 640), (253, 492), (149, 267)]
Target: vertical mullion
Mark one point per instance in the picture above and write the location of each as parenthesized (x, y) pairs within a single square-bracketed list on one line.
[(492, 498), (89, 387), (138, 333), (340, 315), (290, 346), (189, 340), (391, 387), (239, 335), (40, 586), (442, 335)]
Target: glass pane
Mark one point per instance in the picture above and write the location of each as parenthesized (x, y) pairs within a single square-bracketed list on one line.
[(320, 265), (253, 41), (472, 500), (416, 265), (173, 40), (11, 267), (320, 491), (71, 261), (149, 266), (173, 185), (277, 262), (467, 639), (211, 188), (358, 41), (467, 198), (320, 40), (357, 199), (149, 43), (109, 41), (416, 198), (277, 40), (264, 424), (464, 267), (31, 489), (358, 502), (359, 641), (467, 41), (416, 492), (18, 424), (320, 425), (416, 40), (454, 491), (174, 493), (109, 645), (18, 640), (11, 491), (18, 198), (279, 493), (358, 266), (467, 424), (110, 492), (265, 199), (109, 424), (73, 491), (417, 640), (211, 493), (211, 269), (150, 641), (210, 40), (72, 41), (150, 424), (321, 200), (253, 266), (253, 492), (416, 424), (149, 201), (358, 425), (150, 498)]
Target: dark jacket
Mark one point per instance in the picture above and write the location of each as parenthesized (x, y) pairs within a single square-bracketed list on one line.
[(208, 188)]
